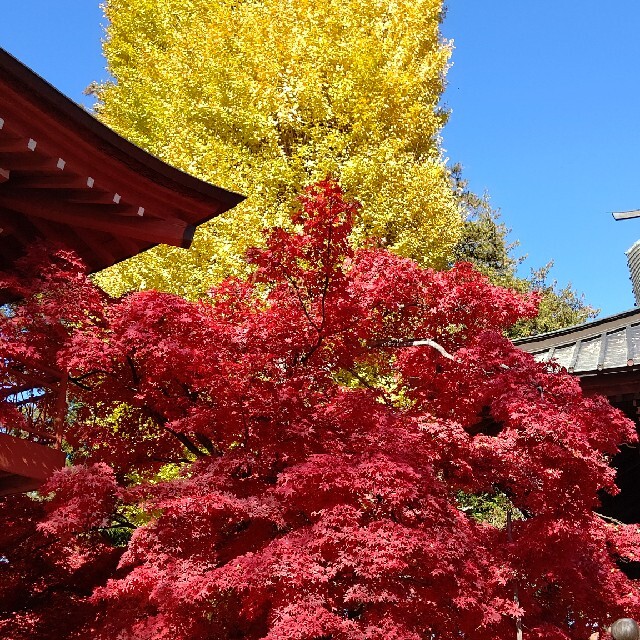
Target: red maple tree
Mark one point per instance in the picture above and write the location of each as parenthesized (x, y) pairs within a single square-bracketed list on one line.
[(291, 458)]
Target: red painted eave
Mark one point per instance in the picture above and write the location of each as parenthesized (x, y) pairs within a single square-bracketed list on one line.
[(66, 177), (25, 465)]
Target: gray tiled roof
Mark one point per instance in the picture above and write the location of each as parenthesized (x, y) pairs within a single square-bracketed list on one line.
[(606, 344)]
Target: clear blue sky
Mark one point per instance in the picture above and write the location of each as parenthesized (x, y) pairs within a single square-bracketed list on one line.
[(546, 117)]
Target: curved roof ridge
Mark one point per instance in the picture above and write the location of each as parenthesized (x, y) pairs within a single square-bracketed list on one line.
[(68, 178)]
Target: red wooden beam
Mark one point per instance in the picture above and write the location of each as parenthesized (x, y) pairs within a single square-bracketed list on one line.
[(75, 194), (11, 144), (13, 228), (95, 244), (6, 228), (28, 161), (51, 180), (26, 464), (88, 244)]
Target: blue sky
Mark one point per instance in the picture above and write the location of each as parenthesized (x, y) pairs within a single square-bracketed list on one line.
[(545, 100)]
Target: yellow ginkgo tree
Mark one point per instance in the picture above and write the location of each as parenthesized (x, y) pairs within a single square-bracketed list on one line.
[(266, 96)]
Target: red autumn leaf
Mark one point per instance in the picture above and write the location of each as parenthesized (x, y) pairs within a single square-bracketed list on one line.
[(286, 460)]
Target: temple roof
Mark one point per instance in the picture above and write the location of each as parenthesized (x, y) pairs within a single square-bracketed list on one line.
[(66, 177), (606, 345)]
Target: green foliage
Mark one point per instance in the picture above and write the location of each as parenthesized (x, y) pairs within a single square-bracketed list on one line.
[(117, 534), (559, 307), (488, 508)]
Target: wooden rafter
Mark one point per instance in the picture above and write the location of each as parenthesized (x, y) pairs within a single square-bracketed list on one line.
[(111, 219)]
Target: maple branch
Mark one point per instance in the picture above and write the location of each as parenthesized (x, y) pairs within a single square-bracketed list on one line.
[(43, 546), (431, 343), (313, 349), (192, 395), (83, 386), (516, 597), (93, 372), (119, 525), (427, 342), (327, 278), (366, 383), (609, 519), (186, 442), (295, 287), (245, 424), (123, 521), (77, 380), (134, 373), (208, 444), (323, 298), (162, 421)]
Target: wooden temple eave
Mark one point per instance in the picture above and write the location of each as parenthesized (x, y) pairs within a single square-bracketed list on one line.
[(605, 356), (603, 347), (67, 178), (39, 186), (617, 385), (30, 451)]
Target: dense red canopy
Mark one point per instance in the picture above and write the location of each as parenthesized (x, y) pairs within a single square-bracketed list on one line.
[(298, 456)]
